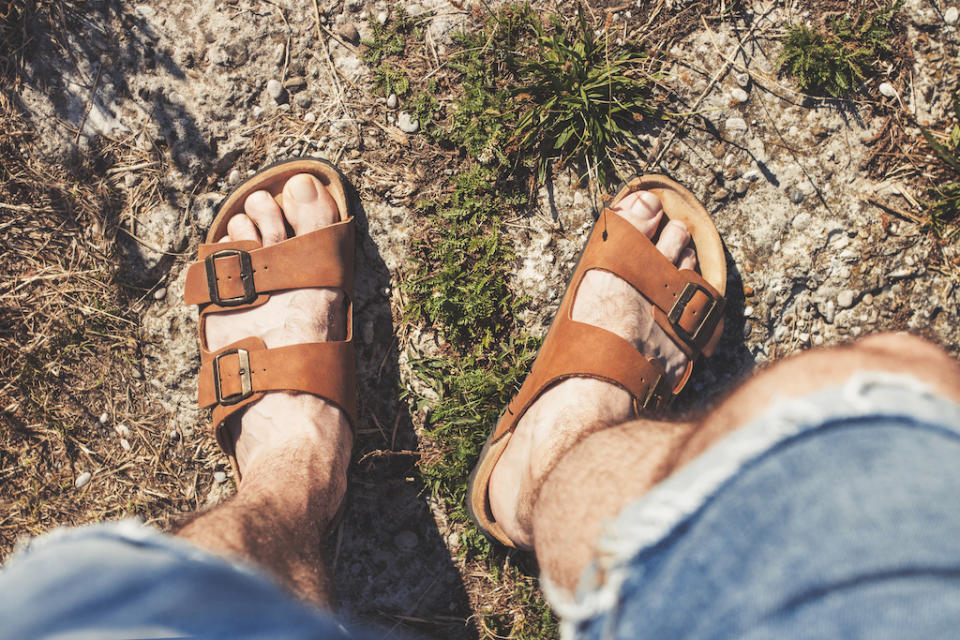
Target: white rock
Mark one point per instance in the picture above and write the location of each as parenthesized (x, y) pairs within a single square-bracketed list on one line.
[(751, 176), (740, 95), (406, 123), (309, 117), (736, 124), (748, 311), (887, 90), (122, 430), (83, 479), (125, 444), (160, 293), (845, 299), (830, 312), (382, 17), (104, 417), (234, 177), (219, 477), (743, 79), (951, 15), (275, 89), (392, 101), (173, 435)]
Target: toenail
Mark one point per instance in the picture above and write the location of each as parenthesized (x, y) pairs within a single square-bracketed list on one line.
[(651, 201), (303, 190)]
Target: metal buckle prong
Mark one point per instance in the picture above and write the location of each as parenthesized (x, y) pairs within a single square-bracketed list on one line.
[(680, 305), (246, 382), (246, 277)]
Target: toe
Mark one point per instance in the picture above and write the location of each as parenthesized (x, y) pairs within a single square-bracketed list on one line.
[(266, 214), (688, 259), (307, 204), (643, 210), (240, 227), (673, 239)]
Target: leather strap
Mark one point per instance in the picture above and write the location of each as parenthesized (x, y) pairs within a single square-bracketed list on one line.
[(230, 271), (242, 372), (696, 307)]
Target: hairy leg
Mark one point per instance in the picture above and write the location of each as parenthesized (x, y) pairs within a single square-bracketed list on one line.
[(606, 470)]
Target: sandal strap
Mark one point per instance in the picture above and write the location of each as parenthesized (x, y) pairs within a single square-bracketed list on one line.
[(233, 275), (241, 373), (579, 350), (686, 306)]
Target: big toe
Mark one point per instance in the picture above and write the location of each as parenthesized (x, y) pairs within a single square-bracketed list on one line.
[(643, 210), (307, 204)]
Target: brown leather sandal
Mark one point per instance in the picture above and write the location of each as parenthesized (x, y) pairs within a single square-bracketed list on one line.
[(231, 276), (686, 304)]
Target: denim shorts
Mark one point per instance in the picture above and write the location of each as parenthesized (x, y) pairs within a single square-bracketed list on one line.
[(832, 515)]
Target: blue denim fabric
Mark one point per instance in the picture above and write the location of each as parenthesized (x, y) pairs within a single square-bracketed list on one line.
[(835, 515), (123, 580), (832, 516)]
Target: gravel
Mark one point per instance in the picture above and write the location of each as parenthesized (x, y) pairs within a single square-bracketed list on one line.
[(886, 89), (845, 299), (83, 479), (740, 95), (406, 123), (160, 293), (219, 477), (743, 79), (951, 15), (736, 124), (392, 101), (276, 91), (104, 417)]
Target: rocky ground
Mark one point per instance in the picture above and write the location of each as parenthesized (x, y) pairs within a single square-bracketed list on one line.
[(816, 201)]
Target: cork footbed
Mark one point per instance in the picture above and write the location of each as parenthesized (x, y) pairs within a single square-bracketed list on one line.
[(678, 204)]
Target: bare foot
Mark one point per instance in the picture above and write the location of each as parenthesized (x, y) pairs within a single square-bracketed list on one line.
[(574, 407), (280, 419)]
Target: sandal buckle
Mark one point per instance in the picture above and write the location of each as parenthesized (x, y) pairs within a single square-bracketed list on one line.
[(246, 382), (656, 397), (707, 322), (246, 277)]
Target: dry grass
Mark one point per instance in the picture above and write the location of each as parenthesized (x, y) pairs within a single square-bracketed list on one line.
[(69, 349)]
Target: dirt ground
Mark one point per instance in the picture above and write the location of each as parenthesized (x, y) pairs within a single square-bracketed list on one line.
[(124, 123)]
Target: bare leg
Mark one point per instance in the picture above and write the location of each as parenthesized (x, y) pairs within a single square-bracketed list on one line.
[(595, 478), (293, 449)]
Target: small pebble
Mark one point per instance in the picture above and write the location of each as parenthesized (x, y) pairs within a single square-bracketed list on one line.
[(309, 117), (951, 15), (219, 477), (721, 194), (234, 177), (741, 188), (275, 90), (796, 196), (801, 221), (104, 417), (350, 34), (803, 337), (736, 124), (740, 95), (779, 334), (748, 290), (130, 180), (125, 444), (868, 299), (751, 176), (122, 430), (743, 79), (160, 293), (173, 435), (392, 101), (845, 299), (83, 479), (382, 17), (406, 123), (887, 90), (830, 312), (748, 311)]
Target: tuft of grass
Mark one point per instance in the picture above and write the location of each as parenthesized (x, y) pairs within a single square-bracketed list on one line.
[(388, 41), (836, 58), (580, 98), (459, 285), (389, 79), (943, 205)]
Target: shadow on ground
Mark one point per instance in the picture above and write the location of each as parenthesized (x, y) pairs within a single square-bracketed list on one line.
[(393, 567)]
